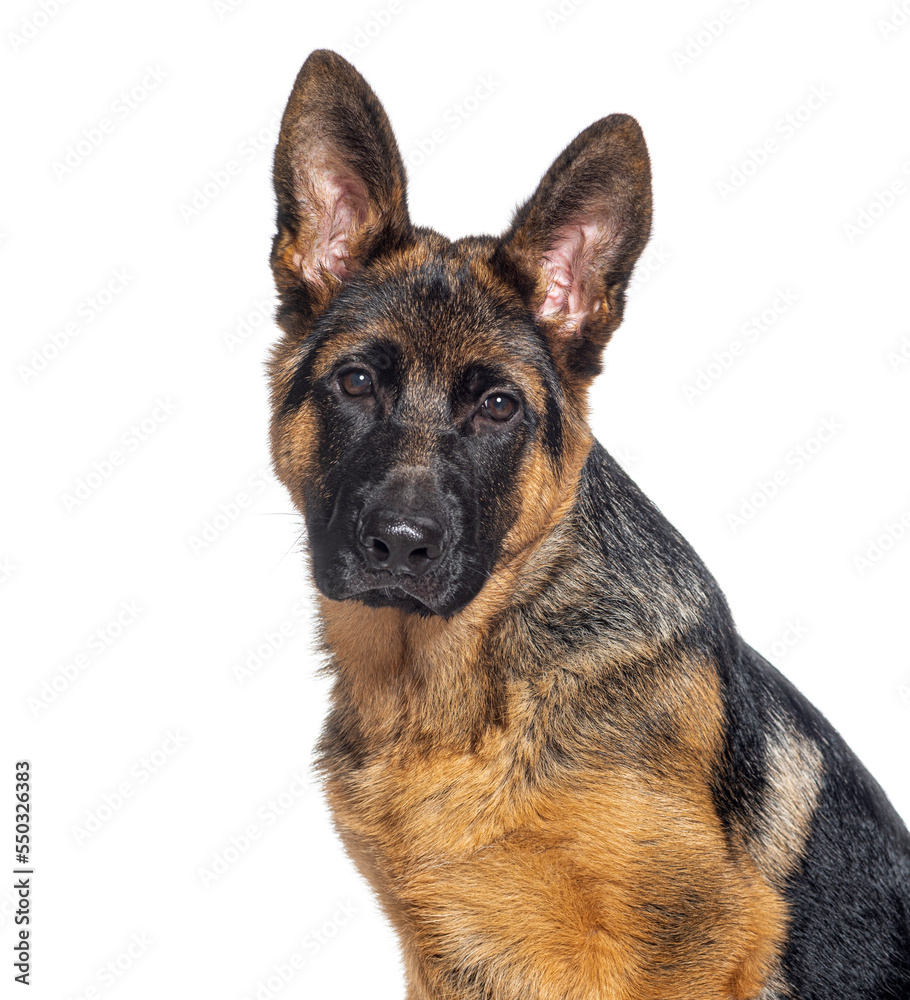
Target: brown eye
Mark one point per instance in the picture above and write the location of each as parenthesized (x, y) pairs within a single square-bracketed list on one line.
[(499, 406), (356, 382)]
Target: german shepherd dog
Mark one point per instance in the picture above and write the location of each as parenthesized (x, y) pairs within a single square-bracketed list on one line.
[(561, 768)]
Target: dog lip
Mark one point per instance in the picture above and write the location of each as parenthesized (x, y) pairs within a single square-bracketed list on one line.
[(405, 585), (396, 588), (400, 596)]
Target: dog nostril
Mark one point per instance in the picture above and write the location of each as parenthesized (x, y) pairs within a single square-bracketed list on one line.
[(421, 558), (378, 549)]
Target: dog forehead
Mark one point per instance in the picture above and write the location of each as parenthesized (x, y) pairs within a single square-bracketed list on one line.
[(444, 312)]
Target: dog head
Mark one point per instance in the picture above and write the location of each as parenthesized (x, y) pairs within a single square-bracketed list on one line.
[(428, 395)]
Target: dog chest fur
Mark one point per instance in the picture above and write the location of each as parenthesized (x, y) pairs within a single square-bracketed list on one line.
[(612, 863)]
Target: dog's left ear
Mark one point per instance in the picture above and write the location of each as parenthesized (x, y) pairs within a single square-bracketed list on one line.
[(576, 241)]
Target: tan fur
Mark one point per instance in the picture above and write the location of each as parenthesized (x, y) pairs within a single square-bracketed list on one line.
[(470, 856), (794, 785)]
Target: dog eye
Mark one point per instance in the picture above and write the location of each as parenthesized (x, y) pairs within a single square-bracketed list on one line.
[(356, 382), (499, 406)]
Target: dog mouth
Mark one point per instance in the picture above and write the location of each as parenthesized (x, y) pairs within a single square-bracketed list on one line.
[(397, 597), (415, 595)]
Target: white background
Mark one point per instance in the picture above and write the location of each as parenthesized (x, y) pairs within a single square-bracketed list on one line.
[(185, 553)]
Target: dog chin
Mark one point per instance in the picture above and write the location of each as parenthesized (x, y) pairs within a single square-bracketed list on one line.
[(391, 592)]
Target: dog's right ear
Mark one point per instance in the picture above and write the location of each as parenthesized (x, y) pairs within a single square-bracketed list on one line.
[(339, 180)]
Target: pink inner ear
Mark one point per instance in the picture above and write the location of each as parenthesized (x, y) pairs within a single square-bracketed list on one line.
[(346, 212), (567, 267), (338, 203)]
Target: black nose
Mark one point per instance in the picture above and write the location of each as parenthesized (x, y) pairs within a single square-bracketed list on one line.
[(401, 543)]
